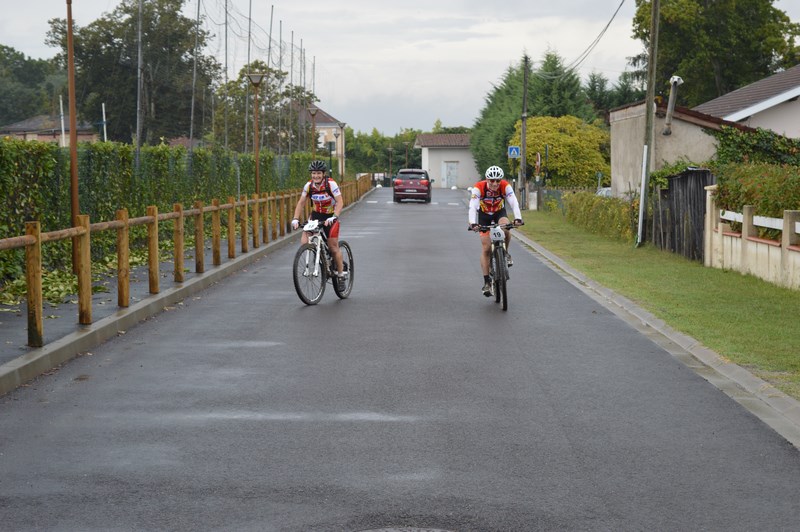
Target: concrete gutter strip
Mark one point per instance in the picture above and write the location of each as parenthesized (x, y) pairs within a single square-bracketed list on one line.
[(782, 412)]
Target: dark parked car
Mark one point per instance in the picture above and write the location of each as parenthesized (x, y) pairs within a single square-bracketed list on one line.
[(411, 183)]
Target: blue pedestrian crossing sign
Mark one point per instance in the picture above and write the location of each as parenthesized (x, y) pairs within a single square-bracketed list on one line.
[(513, 152)]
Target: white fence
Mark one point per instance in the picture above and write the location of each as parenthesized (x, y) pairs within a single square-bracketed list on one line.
[(771, 260)]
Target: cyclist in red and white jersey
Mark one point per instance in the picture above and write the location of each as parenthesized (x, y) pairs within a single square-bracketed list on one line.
[(487, 204), (327, 204)]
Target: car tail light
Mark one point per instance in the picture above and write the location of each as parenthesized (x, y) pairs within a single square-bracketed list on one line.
[(398, 182), (423, 182)]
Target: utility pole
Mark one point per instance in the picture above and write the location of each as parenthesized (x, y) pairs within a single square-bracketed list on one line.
[(73, 136), (652, 53), (523, 190)]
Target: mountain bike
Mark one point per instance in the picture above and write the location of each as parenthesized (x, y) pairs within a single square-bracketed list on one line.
[(498, 265), (314, 266)]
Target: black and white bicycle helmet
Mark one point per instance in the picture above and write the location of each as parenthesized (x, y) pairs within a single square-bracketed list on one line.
[(317, 166), (494, 172)]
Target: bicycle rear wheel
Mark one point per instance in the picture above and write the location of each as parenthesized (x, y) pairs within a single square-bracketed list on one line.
[(342, 287), (309, 275), (501, 275)]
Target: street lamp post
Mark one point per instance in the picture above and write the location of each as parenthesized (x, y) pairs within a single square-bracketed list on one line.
[(336, 147), (256, 80), (331, 147), (313, 112), (406, 144), (390, 162), (341, 159)]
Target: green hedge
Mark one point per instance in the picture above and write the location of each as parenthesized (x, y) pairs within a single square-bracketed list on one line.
[(35, 185), (610, 217), (770, 188)]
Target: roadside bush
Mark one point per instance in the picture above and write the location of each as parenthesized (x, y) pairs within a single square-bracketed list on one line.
[(770, 188), (609, 217)]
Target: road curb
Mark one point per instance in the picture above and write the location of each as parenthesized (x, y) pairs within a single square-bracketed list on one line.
[(39, 361), (775, 408)]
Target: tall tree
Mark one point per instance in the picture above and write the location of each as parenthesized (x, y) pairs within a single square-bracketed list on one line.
[(495, 124), (716, 46), (29, 86), (556, 90), (106, 68)]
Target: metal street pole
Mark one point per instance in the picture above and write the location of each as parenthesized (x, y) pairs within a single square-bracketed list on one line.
[(313, 112), (344, 150), (256, 79), (336, 148)]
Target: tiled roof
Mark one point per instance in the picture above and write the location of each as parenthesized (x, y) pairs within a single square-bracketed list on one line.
[(43, 123), (321, 119), (755, 97), (442, 140)]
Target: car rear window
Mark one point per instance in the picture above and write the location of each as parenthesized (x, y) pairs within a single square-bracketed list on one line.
[(411, 175)]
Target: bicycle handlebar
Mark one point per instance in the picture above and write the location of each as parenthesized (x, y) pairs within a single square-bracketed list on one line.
[(484, 228)]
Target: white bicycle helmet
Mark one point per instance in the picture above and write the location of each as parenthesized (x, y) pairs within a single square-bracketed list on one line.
[(494, 172)]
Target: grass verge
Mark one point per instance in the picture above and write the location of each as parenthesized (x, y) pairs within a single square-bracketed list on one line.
[(744, 319)]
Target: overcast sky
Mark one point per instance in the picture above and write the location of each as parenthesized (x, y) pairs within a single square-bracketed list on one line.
[(389, 65)]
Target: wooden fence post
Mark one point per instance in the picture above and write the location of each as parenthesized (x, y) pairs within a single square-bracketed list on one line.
[(231, 227), (274, 214), (215, 234), (84, 272), (33, 278), (245, 223), (178, 239), (282, 214), (256, 223), (264, 219), (152, 249), (199, 239), (123, 261)]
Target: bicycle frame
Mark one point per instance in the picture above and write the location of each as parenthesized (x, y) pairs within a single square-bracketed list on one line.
[(318, 239)]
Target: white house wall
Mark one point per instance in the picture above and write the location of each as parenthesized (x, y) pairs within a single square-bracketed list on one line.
[(783, 119), (687, 141), (433, 160)]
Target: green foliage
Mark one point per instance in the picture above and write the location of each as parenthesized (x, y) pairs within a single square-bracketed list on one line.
[(369, 152), (771, 189), (553, 90), (608, 217), (576, 151), (29, 86), (719, 46), (106, 55), (35, 185), (761, 146)]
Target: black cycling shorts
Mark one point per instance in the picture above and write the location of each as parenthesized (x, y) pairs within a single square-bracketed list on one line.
[(485, 218)]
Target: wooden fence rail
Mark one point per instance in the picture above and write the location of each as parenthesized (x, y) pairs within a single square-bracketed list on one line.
[(262, 217)]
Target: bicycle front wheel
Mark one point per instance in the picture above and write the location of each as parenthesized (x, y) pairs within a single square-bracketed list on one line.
[(309, 275), (344, 286), (501, 275)]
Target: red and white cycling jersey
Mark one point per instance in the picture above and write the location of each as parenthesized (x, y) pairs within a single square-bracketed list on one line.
[(323, 196), (491, 201), (485, 200)]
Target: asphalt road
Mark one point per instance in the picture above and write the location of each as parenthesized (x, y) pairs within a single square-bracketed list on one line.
[(415, 404)]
